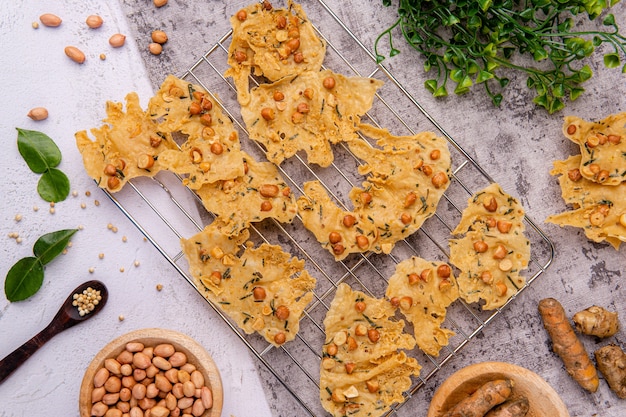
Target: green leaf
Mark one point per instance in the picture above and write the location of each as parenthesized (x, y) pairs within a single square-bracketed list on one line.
[(597, 41), (38, 150), (441, 92), (555, 105), (541, 100), (50, 245), (484, 4), (496, 99), (484, 76), (575, 92), (558, 90), (624, 69), (53, 185), (540, 54), (23, 279), (466, 82), (431, 85), (611, 60), (609, 20), (457, 75), (393, 52)]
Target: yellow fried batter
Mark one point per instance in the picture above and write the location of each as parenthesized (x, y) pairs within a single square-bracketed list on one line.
[(258, 194), (272, 43), (263, 290), (405, 179), (493, 251), (341, 232), (598, 209), (423, 290), (363, 370), (602, 146), (308, 112), (127, 146), (212, 149)]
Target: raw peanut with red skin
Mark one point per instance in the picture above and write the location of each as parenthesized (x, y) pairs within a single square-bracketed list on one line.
[(75, 54)]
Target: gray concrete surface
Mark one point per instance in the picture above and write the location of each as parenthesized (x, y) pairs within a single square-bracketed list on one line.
[(515, 144)]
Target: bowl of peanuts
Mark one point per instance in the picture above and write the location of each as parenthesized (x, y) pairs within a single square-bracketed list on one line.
[(155, 372), (496, 389)]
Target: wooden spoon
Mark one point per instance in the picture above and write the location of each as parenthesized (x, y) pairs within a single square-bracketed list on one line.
[(67, 317)]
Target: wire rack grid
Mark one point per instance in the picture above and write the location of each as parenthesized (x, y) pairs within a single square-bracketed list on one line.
[(165, 211)]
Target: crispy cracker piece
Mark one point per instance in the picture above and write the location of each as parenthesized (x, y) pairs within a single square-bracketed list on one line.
[(300, 113), (338, 230), (405, 179), (364, 370), (602, 147), (493, 250), (272, 43), (260, 193), (211, 151), (598, 209), (128, 145), (261, 289), (423, 290)]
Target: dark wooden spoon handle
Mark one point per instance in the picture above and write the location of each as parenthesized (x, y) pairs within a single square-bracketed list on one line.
[(16, 358)]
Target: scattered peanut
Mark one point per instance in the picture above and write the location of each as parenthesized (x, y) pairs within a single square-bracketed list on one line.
[(38, 113), (50, 20), (94, 21), (75, 54), (117, 40), (159, 36), (159, 3), (155, 48)]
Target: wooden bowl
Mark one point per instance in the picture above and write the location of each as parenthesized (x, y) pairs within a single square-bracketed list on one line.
[(196, 355), (543, 400)]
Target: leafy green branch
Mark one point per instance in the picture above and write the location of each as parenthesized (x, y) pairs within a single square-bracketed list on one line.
[(470, 42)]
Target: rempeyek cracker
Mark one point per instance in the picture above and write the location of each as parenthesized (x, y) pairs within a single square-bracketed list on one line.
[(599, 209), (602, 147), (493, 249), (211, 151), (308, 112), (262, 289), (423, 290), (273, 43), (405, 179), (364, 370), (128, 145), (260, 193)]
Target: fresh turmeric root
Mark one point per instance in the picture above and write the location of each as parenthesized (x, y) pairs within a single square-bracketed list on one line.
[(483, 399), (512, 408), (612, 364), (566, 344), (596, 321)]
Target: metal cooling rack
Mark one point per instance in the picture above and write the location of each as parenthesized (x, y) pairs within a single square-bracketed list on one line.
[(163, 207)]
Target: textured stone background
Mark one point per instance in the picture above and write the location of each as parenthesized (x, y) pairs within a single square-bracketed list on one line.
[(516, 145)]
